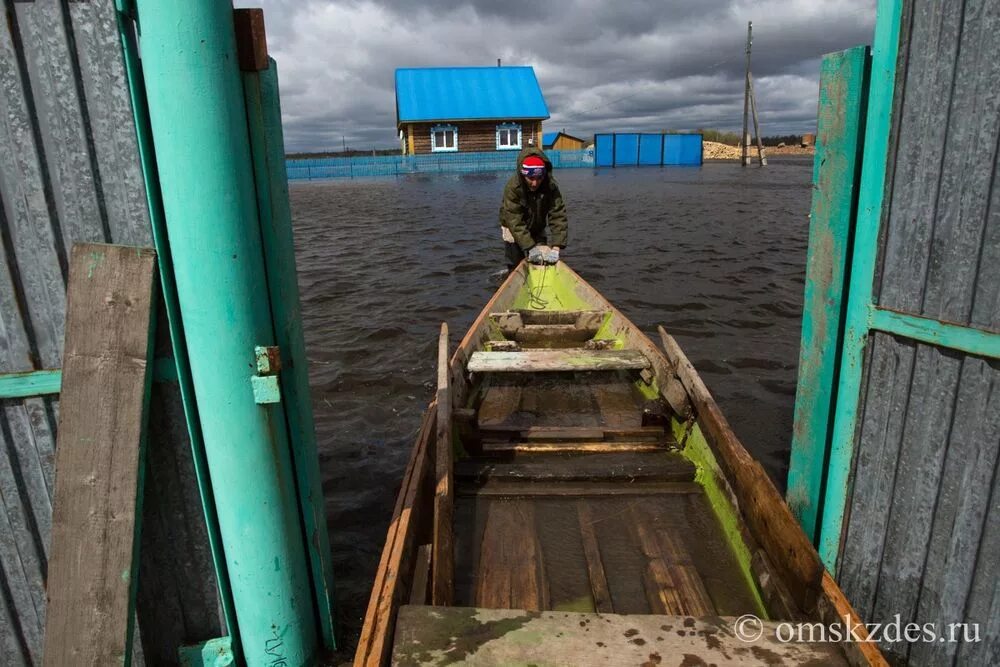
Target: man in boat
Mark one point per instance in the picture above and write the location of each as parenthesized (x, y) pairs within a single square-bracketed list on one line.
[(532, 214)]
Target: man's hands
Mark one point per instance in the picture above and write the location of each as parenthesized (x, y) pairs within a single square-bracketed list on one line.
[(543, 254)]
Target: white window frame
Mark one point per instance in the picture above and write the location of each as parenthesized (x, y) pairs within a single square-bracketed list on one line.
[(444, 128), (507, 127)]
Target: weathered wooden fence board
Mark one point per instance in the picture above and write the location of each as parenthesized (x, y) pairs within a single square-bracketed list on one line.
[(960, 512), (104, 401)]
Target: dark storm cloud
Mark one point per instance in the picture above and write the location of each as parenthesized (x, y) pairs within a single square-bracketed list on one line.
[(643, 65)]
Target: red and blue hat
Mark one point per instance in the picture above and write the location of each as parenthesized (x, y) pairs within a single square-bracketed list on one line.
[(533, 167)]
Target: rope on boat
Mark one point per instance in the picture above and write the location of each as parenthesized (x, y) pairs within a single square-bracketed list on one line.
[(535, 299)]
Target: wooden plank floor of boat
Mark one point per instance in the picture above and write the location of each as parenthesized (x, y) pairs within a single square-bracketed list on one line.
[(576, 505)]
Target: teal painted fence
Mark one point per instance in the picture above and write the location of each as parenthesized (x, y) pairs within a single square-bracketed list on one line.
[(839, 141), (906, 517), (445, 163), (873, 173)]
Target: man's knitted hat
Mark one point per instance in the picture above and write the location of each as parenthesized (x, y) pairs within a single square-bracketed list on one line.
[(533, 166)]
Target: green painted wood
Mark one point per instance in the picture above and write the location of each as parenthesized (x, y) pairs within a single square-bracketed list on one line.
[(30, 383), (212, 653), (943, 334), (836, 179), (268, 150), (198, 118), (43, 383), (168, 292), (873, 177)]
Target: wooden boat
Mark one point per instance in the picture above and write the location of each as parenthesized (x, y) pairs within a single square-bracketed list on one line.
[(576, 497)]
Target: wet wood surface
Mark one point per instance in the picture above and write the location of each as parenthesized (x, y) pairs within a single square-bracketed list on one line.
[(595, 565), (534, 361), (511, 572), (625, 467), (470, 636), (389, 587), (443, 551)]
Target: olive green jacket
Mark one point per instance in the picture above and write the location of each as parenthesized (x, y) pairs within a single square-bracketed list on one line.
[(525, 213)]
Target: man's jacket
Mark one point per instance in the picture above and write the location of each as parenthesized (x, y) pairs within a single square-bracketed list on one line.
[(525, 213)]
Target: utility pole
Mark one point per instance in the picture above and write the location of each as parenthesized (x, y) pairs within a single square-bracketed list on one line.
[(745, 137), (756, 127), (750, 105)]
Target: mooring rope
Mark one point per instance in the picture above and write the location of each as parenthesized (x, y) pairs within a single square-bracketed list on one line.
[(535, 299)]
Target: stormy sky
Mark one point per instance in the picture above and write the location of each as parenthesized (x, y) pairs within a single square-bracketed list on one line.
[(643, 65)]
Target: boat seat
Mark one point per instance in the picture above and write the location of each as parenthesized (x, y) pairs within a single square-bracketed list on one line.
[(577, 359), (549, 327)]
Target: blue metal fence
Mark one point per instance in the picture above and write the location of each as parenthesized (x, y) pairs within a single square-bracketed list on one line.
[(633, 149), (395, 165)]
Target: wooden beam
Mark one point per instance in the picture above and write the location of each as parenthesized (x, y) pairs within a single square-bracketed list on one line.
[(251, 41), (511, 572), (388, 589), (421, 575), (595, 565), (443, 558), (506, 489), (107, 371), (687, 588), (835, 608), (659, 467), (654, 434), (768, 517), (584, 446), (780, 605), (534, 361)]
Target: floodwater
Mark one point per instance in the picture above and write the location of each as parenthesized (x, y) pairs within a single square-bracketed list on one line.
[(715, 253)]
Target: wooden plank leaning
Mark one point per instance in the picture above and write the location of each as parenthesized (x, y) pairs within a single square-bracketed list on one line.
[(97, 504), (769, 519), (443, 558)]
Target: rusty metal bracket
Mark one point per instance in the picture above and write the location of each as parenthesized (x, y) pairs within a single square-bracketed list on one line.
[(266, 387)]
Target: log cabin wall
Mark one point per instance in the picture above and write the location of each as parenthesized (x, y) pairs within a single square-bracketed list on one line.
[(473, 136)]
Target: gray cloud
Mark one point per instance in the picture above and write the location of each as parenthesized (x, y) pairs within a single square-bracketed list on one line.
[(643, 65)]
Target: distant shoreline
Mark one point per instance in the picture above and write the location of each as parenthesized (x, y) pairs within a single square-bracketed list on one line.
[(724, 152)]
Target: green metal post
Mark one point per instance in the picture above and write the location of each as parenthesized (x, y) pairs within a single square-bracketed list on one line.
[(873, 172), (836, 177), (198, 119), (268, 147), (127, 31)]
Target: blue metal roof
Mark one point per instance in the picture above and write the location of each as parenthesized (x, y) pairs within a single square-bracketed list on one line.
[(468, 93), (549, 138)]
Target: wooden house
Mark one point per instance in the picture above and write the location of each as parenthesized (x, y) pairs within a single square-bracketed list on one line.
[(468, 109), (560, 141)]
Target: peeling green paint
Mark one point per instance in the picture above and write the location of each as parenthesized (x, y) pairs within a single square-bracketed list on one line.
[(96, 259), (549, 288), (708, 475), (836, 172)]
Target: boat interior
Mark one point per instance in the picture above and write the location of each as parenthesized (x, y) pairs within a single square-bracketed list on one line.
[(574, 494), (563, 476)]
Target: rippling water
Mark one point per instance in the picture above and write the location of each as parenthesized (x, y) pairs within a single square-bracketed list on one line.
[(716, 254)]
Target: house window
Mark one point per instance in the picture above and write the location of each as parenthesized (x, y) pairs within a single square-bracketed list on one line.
[(508, 137), (444, 138)]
